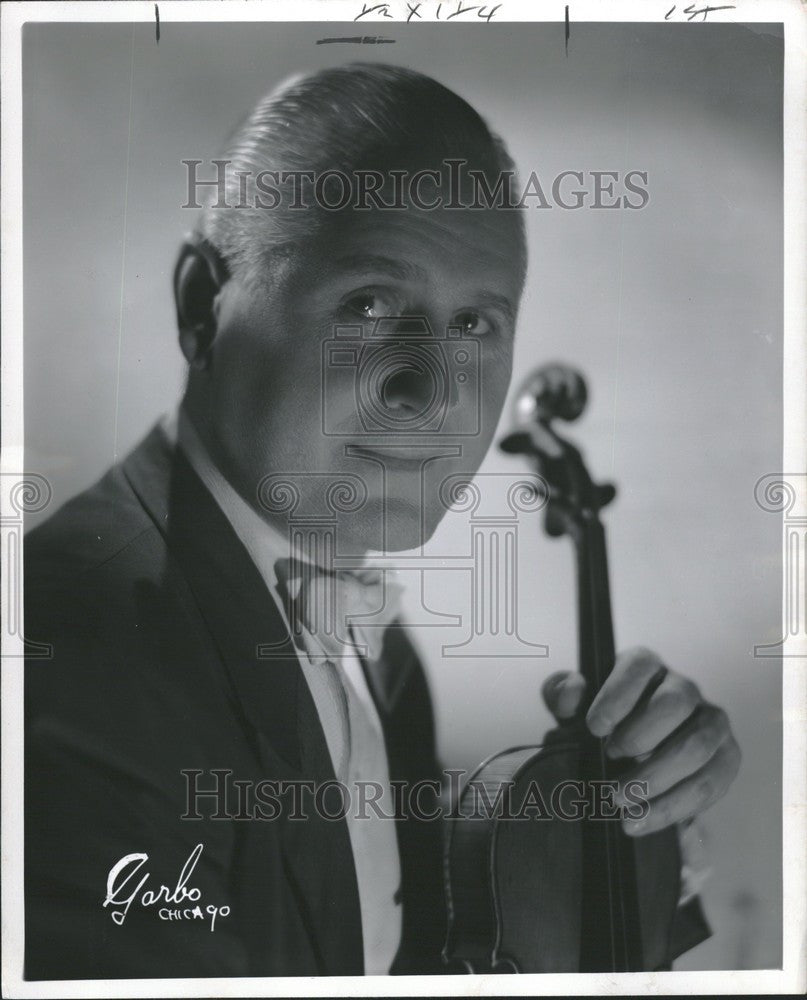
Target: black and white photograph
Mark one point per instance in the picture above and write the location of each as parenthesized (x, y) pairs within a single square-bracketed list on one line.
[(404, 498)]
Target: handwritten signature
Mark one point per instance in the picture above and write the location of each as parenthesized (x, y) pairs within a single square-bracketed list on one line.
[(123, 872)]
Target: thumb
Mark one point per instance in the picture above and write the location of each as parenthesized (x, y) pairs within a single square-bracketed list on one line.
[(563, 694)]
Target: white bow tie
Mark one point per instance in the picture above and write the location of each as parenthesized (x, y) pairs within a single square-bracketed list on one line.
[(325, 604)]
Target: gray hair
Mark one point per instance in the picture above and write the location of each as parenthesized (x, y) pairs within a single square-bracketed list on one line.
[(354, 117)]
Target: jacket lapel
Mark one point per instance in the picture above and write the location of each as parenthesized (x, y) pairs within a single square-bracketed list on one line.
[(271, 694)]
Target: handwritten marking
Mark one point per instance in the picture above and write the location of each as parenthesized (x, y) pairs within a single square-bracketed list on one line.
[(694, 12), (460, 10), (382, 7), (358, 40), (566, 31), (157, 16), (705, 10), (412, 10)]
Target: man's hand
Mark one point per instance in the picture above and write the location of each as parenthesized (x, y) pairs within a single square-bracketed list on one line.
[(675, 741)]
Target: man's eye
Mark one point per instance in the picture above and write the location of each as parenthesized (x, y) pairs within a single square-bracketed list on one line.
[(473, 323), (370, 305)]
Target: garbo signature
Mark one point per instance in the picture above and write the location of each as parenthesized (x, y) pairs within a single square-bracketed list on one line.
[(125, 870)]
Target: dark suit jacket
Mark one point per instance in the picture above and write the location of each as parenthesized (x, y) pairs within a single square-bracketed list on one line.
[(155, 611)]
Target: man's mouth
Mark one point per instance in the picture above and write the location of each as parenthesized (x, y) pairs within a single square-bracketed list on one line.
[(404, 457)]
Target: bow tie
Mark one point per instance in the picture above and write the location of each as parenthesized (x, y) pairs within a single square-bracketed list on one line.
[(325, 603)]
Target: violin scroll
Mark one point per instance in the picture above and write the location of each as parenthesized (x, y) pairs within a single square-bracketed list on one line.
[(556, 392), (551, 391)]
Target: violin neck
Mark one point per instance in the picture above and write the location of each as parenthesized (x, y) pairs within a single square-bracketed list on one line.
[(596, 651), (609, 870)]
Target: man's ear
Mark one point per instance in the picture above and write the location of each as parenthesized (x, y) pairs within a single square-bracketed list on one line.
[(199, 275)]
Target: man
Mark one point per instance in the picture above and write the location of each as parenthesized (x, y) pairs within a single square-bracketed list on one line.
[(181, 593)]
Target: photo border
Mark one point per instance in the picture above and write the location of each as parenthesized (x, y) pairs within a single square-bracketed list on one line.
[(791, 978)]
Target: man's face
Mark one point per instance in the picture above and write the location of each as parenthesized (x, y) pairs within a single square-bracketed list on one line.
[(328, 376)]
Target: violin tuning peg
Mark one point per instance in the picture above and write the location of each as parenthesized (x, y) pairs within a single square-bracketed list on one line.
[(517, 443), (556, 520), (605, 494)]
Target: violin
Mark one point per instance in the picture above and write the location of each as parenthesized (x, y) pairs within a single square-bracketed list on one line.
[(539, 875)]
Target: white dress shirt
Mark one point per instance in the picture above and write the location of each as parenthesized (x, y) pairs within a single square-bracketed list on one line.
[(346, 711)]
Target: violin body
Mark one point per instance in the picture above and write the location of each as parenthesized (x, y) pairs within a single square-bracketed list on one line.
[(539, 873), (515, 886)]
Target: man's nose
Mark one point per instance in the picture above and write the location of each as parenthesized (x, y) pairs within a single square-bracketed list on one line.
[(417, 377), (408, 388)]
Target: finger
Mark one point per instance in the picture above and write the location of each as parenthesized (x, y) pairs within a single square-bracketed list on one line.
[(684, 753), (634, 671), (563, 694), (651, 722), (691, 796)]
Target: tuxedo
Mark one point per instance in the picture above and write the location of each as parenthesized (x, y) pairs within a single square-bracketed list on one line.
[(155, 613)]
